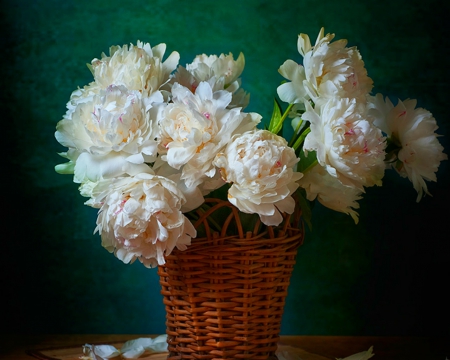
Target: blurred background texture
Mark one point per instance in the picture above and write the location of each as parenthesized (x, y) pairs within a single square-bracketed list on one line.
[(385, 276)]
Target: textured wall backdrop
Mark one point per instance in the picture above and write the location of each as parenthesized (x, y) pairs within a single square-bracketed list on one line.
[(385, 276)]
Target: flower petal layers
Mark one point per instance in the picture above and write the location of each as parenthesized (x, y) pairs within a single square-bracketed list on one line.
[(347, 143), (416, 151), (259, 164), (140, 218)]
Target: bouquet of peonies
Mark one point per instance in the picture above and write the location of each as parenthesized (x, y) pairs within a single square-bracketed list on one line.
[(148, 140)]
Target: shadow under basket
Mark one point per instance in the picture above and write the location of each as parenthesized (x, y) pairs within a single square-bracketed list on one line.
[(224, 296)]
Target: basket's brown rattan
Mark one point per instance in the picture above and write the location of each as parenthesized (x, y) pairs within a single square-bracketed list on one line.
[(224, 296)]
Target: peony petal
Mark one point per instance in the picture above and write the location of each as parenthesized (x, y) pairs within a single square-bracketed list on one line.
[(105, 351), (135, 159), (286, 205), (94, 168), (273, 220), (177, 155), (133, 353)]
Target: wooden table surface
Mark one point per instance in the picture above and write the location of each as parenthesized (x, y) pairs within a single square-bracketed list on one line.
[(15, 347)]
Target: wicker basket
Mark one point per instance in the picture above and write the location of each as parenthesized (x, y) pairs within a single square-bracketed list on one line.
[(224, 296)]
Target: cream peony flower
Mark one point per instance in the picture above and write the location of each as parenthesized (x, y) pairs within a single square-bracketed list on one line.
[(415, 150), (221, 72), (330, 192), (330, 69), (259, 164), (110, 133), (348, 145), (138, 67), (195, 127), (140, 218)]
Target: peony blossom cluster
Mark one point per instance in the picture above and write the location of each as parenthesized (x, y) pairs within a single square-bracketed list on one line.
[(148, 140), (354, 136)]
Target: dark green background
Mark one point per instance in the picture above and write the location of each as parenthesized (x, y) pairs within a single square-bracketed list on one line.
[(386, 276)]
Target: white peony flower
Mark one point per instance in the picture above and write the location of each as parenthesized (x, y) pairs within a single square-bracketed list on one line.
[(221, 72), (110, 133), (259, 164), (195, 127), (348, 145), (138, 67), (416, 152), (224, 66), (330, 192), (330, 69), (292, 92), (140, 218)]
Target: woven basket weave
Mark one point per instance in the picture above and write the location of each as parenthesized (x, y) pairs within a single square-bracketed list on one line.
[(224, 296)]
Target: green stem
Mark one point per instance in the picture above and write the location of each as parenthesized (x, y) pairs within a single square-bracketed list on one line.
[(295, 136), (285, 114), (301, 138), (283, 117), (314, 163)]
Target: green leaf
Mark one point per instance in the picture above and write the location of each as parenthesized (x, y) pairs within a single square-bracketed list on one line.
[(276, 122)]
